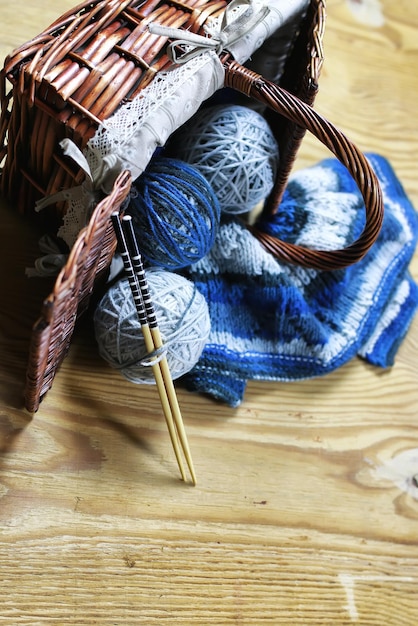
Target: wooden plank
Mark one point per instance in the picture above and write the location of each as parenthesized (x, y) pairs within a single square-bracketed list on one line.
[(305, 511)]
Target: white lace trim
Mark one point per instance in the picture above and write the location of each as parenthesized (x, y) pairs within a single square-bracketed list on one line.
[(140, 126), (133, 133)]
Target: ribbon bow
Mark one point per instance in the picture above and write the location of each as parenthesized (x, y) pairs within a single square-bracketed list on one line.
[(52, 261), (84, 197), (230, 31), (101, 179)]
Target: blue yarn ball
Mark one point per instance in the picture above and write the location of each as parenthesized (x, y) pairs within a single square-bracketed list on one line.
[(235, 150), (175, 214)]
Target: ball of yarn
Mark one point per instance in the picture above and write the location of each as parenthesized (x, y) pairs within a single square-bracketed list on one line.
[(175, 214), (235, 150), (183, 319)]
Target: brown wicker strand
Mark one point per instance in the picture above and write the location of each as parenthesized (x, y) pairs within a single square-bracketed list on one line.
[(83, 26), (52, 332), (303, 115), (305, 63)]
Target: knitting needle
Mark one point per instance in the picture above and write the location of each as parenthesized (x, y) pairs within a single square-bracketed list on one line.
[(149, 343), (156, 336)]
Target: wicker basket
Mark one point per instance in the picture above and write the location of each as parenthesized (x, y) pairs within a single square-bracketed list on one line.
[(66, 82)]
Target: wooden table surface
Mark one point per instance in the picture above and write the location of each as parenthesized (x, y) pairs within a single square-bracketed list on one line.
[(293, 520)]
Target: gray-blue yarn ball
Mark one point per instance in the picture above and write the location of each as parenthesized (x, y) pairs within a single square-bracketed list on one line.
[(183, 319), (235, 150)]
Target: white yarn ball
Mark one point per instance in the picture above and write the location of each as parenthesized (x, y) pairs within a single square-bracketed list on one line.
[(234, 148), (183, 319)]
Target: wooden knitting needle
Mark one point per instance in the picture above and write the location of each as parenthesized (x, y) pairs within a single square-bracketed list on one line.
[(149, 343), (138, 267)]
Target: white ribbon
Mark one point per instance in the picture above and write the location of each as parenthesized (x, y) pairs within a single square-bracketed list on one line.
[(101, 180), (231, 30), (52, 261)]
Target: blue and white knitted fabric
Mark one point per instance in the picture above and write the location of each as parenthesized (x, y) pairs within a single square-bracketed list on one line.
[(275, 321)]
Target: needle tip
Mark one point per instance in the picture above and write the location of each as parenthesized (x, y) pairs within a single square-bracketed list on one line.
[(193, 475)]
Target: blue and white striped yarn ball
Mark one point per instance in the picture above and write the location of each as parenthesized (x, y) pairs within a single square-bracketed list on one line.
[(235, 150), (175, 214), (183, 319)]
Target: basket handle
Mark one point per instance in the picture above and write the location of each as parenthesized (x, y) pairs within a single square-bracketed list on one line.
[(288, 105)]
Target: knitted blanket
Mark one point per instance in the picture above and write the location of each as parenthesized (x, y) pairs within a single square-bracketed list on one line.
[(274, 321)]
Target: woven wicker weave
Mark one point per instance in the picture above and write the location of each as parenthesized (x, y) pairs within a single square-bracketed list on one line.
[(65, 82)]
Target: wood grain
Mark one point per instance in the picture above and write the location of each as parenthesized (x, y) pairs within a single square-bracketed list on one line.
[(305, 511)]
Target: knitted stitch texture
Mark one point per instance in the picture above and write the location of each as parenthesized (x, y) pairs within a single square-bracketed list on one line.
[(274, 321)]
